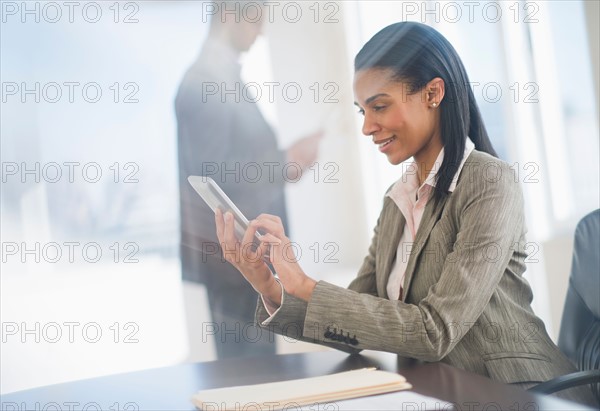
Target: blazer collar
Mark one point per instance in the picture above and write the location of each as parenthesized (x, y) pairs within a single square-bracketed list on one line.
[(431, 215), (394, 227), (390, 234)]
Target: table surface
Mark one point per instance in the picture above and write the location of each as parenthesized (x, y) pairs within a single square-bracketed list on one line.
[(170, 388)]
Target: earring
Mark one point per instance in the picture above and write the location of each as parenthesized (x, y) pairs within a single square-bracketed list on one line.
[(434, 105)]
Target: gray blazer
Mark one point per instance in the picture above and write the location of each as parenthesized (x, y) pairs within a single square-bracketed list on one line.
[(465, 301)]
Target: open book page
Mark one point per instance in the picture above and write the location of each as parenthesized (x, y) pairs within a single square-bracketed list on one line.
[(305, 391)]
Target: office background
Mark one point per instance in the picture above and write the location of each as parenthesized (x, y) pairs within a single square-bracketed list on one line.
[(90, 277)]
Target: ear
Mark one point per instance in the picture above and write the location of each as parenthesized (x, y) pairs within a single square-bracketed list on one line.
[(434, 92)]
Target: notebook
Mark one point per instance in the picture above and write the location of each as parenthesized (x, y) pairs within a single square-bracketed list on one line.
[(304, 391)]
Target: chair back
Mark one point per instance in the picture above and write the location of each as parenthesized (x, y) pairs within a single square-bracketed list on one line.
[(579, 336)]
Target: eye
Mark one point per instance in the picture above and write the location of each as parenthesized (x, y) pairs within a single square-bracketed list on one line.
[(361, 111), (378, 108)]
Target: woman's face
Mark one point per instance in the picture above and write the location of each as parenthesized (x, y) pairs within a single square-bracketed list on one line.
[(403, 125)]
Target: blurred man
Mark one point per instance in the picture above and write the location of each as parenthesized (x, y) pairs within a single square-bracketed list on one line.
[(223, 135)]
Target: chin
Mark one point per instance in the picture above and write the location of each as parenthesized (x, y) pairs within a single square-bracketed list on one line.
[(395, 159)]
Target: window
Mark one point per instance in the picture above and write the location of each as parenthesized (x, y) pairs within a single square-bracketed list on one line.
[(529, 67)]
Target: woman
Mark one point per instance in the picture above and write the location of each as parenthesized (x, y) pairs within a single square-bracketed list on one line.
[(442, 280)]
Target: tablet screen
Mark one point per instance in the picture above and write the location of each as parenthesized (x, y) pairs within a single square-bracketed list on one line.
[(212, 194)]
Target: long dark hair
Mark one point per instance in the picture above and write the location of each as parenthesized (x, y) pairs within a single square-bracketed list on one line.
[(417, 53)]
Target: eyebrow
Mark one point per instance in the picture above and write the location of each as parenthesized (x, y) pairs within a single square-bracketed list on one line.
[(370, 99)]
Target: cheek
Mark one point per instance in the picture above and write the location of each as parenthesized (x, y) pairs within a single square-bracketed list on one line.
[(420, 122), (430, 121), (399, 120)]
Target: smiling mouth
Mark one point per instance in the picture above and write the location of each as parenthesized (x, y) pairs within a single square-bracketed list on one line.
[(384, 142)]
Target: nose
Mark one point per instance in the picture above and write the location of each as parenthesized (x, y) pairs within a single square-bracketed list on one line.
[(370, 126)]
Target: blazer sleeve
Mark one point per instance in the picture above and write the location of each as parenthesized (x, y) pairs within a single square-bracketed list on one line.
[(490, 216), (289, 321), (289, 318)]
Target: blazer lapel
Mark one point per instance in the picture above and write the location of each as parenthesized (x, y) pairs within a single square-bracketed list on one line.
[(389, 237), (431, 216)]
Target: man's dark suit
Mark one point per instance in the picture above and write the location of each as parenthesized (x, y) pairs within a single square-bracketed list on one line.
[(222, 134)]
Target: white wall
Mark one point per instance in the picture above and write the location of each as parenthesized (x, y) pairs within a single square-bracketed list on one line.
[(321, 211)]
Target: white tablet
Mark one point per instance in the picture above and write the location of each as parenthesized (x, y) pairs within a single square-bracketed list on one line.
[(212, 194)]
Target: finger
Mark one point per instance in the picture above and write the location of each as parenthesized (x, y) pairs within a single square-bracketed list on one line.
[(269, 241), (248, 240), (270, 226), (230, 243), (220, 223), (271, 217), (229, 233), (265, 250), (249, 234)]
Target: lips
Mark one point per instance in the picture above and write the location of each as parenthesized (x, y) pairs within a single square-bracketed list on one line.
[(383, 143)]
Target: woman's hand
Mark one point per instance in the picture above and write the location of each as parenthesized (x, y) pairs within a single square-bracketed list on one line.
[(246, 257), (282, 257)]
